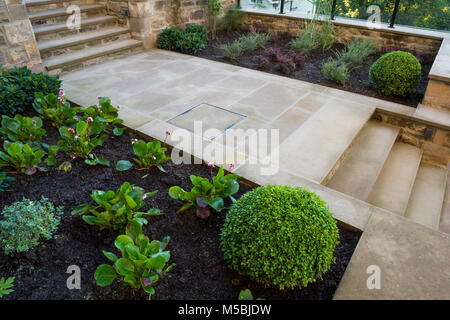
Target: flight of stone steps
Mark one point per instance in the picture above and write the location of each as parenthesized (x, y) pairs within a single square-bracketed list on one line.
[(383, 171), (343, 147), (63, 49)]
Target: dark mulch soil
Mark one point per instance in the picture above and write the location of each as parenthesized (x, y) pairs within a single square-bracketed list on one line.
[(200, 271), (359, 78)]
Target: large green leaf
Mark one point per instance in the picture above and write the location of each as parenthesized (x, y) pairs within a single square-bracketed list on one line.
[(140, 148), (123, 165), (121, 241), (156, 263), (124, 266), (105, 275)]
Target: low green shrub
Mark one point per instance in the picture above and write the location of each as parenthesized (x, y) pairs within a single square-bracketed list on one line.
[(105, 112), (207, 193), (118, 207), (280, 235), (396, 73), (82, 140), (26, 159), (245, 43), (191, 43), (305, 42), (232, 50), (18, 85), (142, 262), (148, 155), (22, 129), (191, 40), (336, 71), (168, 39), (26, 222), (55, 108), (356, 51)]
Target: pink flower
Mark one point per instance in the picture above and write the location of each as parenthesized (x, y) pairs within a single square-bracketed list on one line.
[(153, 157), (89, 119), (211, 164), (118, 107), (99, 97), (31, 135), (134, 141), (144, 196), (232, 166), (61, 93), (71, 130), (168, 133), (72, 156), (76, 136)]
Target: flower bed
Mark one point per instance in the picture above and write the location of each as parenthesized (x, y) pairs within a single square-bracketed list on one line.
[(200, 271), (310, 69)]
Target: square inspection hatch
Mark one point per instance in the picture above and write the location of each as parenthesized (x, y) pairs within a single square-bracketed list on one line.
[(211, 117)]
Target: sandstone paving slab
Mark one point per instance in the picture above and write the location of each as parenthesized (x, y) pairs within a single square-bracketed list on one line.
[(210, 117), (359, 171), (433, 115), (412, 259), (314, 149), (269, 101), (289, 121), (427, 196), (313, 101)]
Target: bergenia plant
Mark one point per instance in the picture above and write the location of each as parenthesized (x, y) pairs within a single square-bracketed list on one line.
[(141, 264), (207, 192), (22, 129), (25, 159), (81, 141), (115, 209), (148, 155), (56, 109), (105, 112)]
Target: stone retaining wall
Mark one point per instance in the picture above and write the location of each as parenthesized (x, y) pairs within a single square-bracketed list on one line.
[(147, 18), (18, 46)]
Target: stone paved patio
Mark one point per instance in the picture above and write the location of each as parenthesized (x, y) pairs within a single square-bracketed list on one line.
[(161, 91)]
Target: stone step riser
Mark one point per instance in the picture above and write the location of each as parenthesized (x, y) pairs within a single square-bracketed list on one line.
[(84, 28), (86, 45)]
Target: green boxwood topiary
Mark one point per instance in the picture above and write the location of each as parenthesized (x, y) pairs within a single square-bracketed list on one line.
[(280, 235), (396, 72)]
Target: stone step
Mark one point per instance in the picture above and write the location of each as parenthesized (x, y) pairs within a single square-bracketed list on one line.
[(444, 224), (61, 12), (34, 3), (316, 149), (435, 115), (427, 196), (395, 182), (90, 53), (54, 28), (80, 38), (359, 171)]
